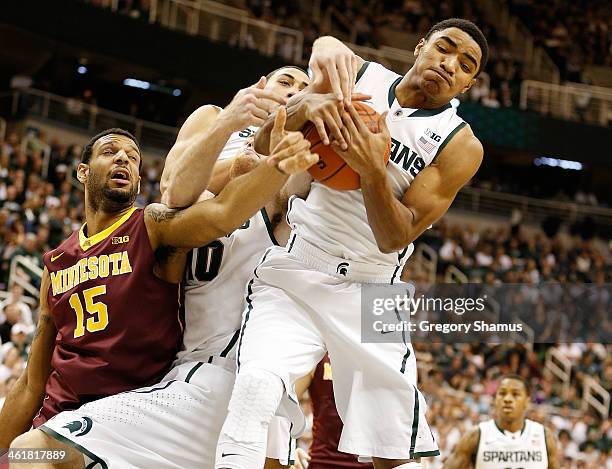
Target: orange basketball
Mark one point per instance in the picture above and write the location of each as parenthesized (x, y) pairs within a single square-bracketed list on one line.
[(331, 169)]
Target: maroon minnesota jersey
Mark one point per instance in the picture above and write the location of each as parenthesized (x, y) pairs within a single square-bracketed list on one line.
[(118, 325), (327, 426)]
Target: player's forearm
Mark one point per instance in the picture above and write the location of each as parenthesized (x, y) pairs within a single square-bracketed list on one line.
[(192, 170), (391, 222), (246, 194), (18, 411), (220, 175)]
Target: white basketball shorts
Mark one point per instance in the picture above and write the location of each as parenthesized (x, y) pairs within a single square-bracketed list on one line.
[(297, 308), (174, 424)]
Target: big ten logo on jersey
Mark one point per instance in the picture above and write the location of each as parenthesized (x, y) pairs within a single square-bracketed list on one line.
[(120, 239), (327, 372), (246, 133), (431, 134), (408, 159)]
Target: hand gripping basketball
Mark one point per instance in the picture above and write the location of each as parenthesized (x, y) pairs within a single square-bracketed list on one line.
[(290, 152), (369, 145)]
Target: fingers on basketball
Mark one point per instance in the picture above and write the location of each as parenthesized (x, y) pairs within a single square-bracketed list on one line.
[(331, 169)]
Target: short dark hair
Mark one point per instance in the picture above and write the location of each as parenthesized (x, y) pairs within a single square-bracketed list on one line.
[(516, 377), (469, 28), (269, 75), (88, 149)]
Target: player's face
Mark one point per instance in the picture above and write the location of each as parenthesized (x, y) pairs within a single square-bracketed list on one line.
[(113, 170), (511, 400), (287, 82), (447, 63)]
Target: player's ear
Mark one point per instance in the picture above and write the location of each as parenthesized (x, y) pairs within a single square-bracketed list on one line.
[(82, 172), (419, 46), (469, 85)]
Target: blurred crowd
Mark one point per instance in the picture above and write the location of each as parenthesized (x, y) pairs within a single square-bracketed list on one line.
[(510, 254), (575, 33), (361, 22)]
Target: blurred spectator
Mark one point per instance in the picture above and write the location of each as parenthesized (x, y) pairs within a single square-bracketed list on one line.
[(491, 100), (16, 298), (12, 317)]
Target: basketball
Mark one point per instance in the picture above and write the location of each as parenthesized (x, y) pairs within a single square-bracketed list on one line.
[(331, 169)]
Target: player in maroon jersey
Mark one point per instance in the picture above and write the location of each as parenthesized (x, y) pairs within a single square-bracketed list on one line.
[(109, 317), (327, 426)]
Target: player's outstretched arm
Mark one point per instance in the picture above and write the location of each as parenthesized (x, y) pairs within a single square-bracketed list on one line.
[(238, 201), (464, 453), (189, 165), (26, 396), (551, 449)]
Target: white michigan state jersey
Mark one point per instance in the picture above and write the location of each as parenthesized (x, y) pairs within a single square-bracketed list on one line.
[(216, 276), (215, 280), (525, 449), (236, 142), (336, 221)]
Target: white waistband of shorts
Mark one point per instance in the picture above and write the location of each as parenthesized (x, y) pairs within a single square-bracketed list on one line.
[(353, 271)]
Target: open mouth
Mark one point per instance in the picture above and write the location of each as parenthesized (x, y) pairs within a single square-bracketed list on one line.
[(120, 176)]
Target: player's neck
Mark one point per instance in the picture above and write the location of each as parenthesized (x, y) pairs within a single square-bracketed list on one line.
[(98, 220), (512, 426), (410, 95)]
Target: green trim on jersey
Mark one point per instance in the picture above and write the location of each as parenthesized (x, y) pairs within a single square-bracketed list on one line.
[(192, 371), (289, 461), (361, 71), (503, 432), (63, 439), (545, 441), (269, 227), (415, 424), (392, 90), (426, 454), (449, 137), (430, 112)]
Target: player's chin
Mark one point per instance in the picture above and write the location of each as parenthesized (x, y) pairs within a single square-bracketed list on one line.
[(120, 195), (432, 88)]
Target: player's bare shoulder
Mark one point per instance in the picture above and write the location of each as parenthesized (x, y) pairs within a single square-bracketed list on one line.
[(461, 158), (155, 216), (198, 120), (464, 453)]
